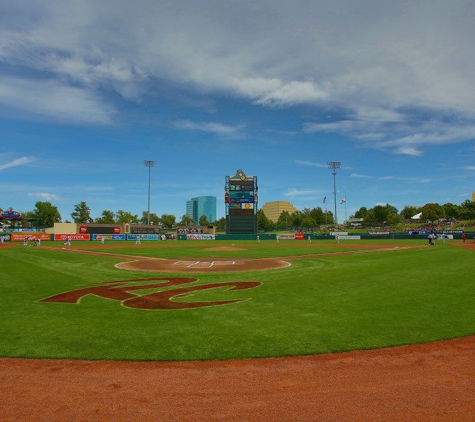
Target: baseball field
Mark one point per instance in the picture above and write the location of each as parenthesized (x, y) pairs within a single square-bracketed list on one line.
[(211, 301)]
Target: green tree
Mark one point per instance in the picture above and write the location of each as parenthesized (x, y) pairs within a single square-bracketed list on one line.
[(318, 215), (220, 224), (394, 218), (409, 211), (168, 220), (186, 220), (284, 220), (263, 223), (451, 210), (296, 218), (29, 219), (380, 214), (154, 219), (81, 213), (107, 217), (391, 209), (308, 223), (369, 219), (126, 217), (204, 221), (432, 212), (46, 214), (361, 213), (467, 210)]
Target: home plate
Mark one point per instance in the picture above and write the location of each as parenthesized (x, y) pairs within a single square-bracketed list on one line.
[(203, 264)]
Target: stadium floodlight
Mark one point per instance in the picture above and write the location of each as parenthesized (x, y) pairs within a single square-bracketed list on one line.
[(333, 165), (149, 164)]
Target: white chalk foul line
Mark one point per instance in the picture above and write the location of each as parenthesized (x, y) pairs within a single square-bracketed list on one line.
[(202, 264)]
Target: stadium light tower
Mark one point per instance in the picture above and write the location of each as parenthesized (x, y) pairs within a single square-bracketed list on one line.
[(334, 165), (149, 164)]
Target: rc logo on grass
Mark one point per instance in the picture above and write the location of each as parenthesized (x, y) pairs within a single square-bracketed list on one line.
[(136, 293)]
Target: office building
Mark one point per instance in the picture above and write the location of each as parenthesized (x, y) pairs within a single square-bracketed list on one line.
[(272, 210), (202, 205)]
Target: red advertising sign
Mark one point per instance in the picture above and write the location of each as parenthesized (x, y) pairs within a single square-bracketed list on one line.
[(299, 236), (64, 237), (17, 237), (83, 229), (116, 230)]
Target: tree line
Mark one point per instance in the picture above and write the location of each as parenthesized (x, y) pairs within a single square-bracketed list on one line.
[(46, 214), (376, 216)]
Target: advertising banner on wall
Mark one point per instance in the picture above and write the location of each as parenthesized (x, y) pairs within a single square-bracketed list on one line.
[(142, 236), (17, 237), (74, 237), (109, 236), (200, 237), (286, 236)]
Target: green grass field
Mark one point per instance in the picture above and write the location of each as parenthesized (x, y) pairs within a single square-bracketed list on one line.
[(320, 304)]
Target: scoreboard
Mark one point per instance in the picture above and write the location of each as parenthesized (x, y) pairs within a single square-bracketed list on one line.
[(240, 200)]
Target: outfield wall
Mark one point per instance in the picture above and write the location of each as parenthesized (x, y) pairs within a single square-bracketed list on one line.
[(62, 237)]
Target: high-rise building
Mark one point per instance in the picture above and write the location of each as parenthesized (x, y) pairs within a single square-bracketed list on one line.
[(272, 210), (202, 205)]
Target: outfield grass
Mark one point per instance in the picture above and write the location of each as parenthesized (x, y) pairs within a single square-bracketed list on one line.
[(320, 304)]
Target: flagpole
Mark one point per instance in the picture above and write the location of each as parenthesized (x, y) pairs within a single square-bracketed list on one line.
[(326, 211), (345, 209), (343, 201)]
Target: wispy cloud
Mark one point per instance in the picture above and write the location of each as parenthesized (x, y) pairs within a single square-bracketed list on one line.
[(54, 100), (219, 129), (360, 176), (311, 164), (17, 162), (44, 196), (318, 165), (406, 179), (406, 150), (301, 192)]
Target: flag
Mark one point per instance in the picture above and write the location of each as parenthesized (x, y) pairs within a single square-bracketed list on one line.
[(343, 201), (325, 199)]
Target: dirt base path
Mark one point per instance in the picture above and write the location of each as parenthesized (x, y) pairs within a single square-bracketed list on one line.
[(429, 382)]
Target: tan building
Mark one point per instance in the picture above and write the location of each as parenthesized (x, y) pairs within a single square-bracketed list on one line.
[(272, 210)]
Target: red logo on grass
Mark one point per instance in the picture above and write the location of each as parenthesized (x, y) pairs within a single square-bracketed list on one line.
[(128, 292)]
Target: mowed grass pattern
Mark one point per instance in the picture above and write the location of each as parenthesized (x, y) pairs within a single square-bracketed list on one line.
[(320, 304)]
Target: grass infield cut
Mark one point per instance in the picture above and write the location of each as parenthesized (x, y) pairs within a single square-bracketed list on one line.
[(325, 301)]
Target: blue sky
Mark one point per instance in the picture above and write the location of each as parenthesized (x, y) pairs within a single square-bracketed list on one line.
[(88, 90)]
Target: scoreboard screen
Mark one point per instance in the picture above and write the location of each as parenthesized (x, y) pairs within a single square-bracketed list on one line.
[(241, 203)]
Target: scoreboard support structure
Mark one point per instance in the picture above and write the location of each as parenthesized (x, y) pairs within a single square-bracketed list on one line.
[(240, 199)]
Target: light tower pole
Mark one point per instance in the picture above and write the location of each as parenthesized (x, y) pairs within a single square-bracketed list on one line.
[(149, 164), (334, 165)]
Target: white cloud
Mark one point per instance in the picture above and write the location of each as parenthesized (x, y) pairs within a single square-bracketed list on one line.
[(44, 196), (300, 192), (311, 164), (407, 150), (360, 176), (225, 131), (294, 92), (17, 162), (382, 68), (53, 100)]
